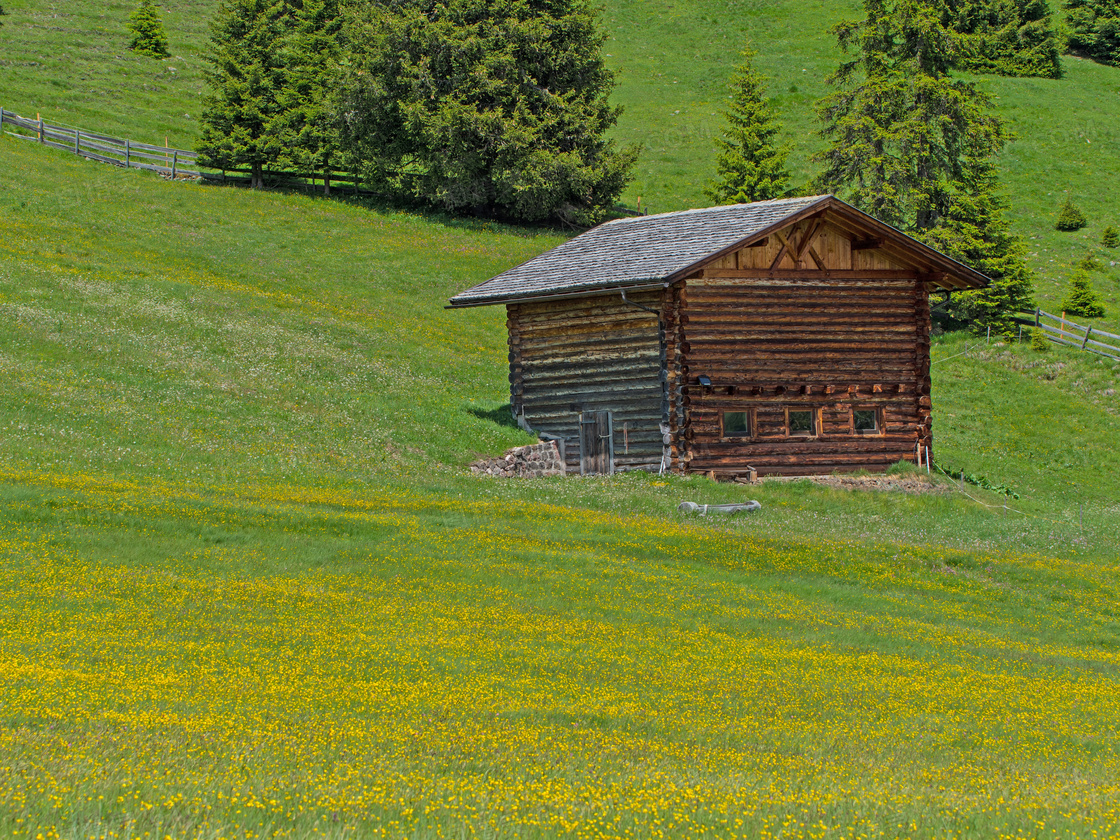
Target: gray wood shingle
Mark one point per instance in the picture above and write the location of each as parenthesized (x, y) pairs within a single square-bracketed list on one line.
[(633, 252)]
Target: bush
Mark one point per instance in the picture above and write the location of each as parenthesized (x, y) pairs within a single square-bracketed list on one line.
[(1094, 29), (1081, 299), (148, 37), (1009, 38), (1111, 237), (1038, 340), (1070, 218)]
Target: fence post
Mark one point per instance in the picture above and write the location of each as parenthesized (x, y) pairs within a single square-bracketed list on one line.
[(174, 164), (127, 153), (40, 127), (1086, 341), (1037, 316), (77, 141), (1, 118)]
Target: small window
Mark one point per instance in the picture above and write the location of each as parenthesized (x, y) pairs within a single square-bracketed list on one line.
[(801, 423), (865, 421), (736, 424)]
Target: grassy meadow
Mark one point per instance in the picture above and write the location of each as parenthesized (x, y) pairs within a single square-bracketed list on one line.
[(249, 588), (70, 62)]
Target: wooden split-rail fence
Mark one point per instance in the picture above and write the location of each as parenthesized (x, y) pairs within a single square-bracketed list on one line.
[(1061, 330), (175, 163), (100, 147)]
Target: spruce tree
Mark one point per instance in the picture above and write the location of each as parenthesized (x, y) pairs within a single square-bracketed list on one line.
[(915, 148), (310, 56), (242, 115), (1111, 237), (1038, 340), (148, 36), (1080, 298), (1094, 29), (749, 164), (1070, 218), (493, 107)]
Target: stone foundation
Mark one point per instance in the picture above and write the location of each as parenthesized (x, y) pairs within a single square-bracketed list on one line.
[(523, 462)]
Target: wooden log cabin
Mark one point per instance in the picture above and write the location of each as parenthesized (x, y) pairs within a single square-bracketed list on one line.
[(787, 337)]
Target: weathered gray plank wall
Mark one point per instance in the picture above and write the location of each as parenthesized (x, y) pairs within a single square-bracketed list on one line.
[(591, 354)]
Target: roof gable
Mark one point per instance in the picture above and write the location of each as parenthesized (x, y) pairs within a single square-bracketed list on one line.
[(658, 250)]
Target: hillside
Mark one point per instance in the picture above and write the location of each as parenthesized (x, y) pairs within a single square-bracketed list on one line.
[(249, 588), (71, 63)]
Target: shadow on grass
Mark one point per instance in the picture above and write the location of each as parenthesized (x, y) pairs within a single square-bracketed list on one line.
[(379, 204), (502, 415)]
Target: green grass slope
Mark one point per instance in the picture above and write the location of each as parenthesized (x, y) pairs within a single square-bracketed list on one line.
[(70, 62), (249, 589)]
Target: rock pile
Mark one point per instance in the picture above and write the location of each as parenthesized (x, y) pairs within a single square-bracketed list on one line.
[(523, 462)]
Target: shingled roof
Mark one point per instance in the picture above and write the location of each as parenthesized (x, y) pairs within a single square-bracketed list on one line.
[(656, 250)]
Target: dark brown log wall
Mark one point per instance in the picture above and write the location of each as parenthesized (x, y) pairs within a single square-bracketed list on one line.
[(591, 354), (771, 345)]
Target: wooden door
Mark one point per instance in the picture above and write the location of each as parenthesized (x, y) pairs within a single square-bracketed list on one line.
[(596, 443)]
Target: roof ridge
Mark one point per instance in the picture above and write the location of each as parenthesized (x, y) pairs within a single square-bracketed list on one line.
[(718, 207)]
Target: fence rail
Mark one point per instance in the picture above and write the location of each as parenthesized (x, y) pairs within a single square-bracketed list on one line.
[(1086, 338), (101, 147), (164, 159)]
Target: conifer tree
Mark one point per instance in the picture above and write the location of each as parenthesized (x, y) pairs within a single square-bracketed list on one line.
[(148, 36), (1038, 340), (1070, 218), (749, 165), (1080, 298), (915, 148), (241, 116), (491, 107), (310, 56), (1094, 29), (1111, 237)]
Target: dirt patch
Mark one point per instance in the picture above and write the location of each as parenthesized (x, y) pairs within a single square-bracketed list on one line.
[(913, 484)]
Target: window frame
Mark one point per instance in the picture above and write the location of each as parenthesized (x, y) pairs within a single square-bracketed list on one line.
[(879, 429), (814, 413), (750, 432)]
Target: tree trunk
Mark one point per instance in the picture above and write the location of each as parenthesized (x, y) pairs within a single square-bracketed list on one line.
[(258, 176), (326, 181)]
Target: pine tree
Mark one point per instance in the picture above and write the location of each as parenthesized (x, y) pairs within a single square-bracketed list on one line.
[(242, 115), (491, 107), (148, 36), (749, 166), (1094, 29), (310, 56), (1070, 218), (1080, 299), (1111, 237), (1038, 340), (1009, 37), (915, 148)]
